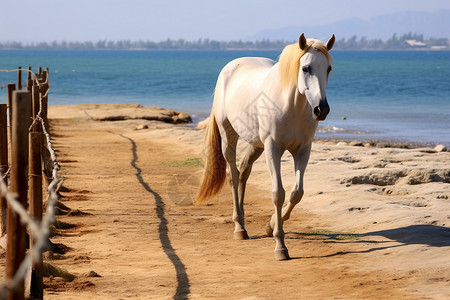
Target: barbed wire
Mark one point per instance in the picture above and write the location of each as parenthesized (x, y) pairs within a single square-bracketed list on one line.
[(39, 230), (34, 77), (6, 174)]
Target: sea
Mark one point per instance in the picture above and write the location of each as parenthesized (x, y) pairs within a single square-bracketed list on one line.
[(396, 96)]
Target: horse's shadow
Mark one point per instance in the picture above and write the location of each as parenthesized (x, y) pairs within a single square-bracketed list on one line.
[(430, 235)]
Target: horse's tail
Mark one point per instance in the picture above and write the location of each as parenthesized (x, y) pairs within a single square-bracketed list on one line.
[(215, 169)]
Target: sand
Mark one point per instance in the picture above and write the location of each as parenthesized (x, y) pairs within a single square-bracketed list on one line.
[(373, 224)]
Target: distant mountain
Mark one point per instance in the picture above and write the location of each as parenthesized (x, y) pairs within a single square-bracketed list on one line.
[(435, 24)]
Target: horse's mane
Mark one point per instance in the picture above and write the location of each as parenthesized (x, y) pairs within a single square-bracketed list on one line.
[(289, 61)]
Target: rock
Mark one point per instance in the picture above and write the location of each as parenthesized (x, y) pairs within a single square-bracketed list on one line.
[(181, 118), (400, 145), (50, 270), (347, 159), (356, 144), (203, 124), (52, 231), (50, 255), (387, 177), (440, 148), (400, 176), (367, 145), (383, 145), (118, 112), (63, 225), (342, 144), (357, 208), (426, 150), (92, 274), (140, 127)]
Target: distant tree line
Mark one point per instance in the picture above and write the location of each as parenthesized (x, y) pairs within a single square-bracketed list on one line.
[(169, 44), (404, 42)]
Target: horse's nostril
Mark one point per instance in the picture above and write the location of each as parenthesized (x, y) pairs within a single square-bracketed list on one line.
[(317, 111)]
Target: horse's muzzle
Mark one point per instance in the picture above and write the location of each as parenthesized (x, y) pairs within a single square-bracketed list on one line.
[(322, 110)]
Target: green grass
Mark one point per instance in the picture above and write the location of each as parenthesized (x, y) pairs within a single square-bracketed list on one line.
[(188, 162), (334, 235), (193, 162), (71, 120)]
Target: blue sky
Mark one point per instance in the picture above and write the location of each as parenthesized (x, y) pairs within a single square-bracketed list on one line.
[(82, 20)]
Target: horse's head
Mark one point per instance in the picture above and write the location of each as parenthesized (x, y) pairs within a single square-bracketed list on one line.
[(315, 65)]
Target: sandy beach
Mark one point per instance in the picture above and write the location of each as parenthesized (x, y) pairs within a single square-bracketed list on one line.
[(373, 224)]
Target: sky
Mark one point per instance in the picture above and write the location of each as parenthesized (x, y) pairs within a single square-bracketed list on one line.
[(156, 20)]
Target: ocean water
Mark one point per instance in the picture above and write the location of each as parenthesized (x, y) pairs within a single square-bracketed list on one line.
[(401, 96)]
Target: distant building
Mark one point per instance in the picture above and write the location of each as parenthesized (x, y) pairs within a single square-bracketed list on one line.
[(438, 47), (415, 43)]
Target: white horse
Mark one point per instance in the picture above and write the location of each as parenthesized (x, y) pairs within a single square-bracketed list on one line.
[(274, 106)]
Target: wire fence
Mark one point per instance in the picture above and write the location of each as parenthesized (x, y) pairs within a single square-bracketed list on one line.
[(38, 229)]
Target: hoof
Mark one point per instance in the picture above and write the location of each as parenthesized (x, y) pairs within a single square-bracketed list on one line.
[(282, 254), (240, 235), (269, 229)]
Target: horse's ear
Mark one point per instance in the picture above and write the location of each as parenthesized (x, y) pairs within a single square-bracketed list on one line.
[(330, 43), (302, 41)]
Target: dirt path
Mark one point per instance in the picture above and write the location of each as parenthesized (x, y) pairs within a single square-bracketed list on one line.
[(146, 240)]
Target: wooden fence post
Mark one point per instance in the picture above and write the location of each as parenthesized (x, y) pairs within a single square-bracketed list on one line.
[(11, 88), (47, 162), (16, 232), (29, 80), (35, 108), (19, 78), (45, 99), (35, 191), (35, 200), (3, 160)]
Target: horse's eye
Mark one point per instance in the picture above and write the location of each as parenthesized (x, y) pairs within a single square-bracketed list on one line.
[(329, 69), (306, 69)]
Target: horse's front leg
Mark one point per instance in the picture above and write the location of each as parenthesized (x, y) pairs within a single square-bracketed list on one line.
[(273, 158), (301, 159)]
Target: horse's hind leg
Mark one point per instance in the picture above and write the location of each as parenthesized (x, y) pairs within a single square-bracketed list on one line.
[(251, 155), (229, 144)]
